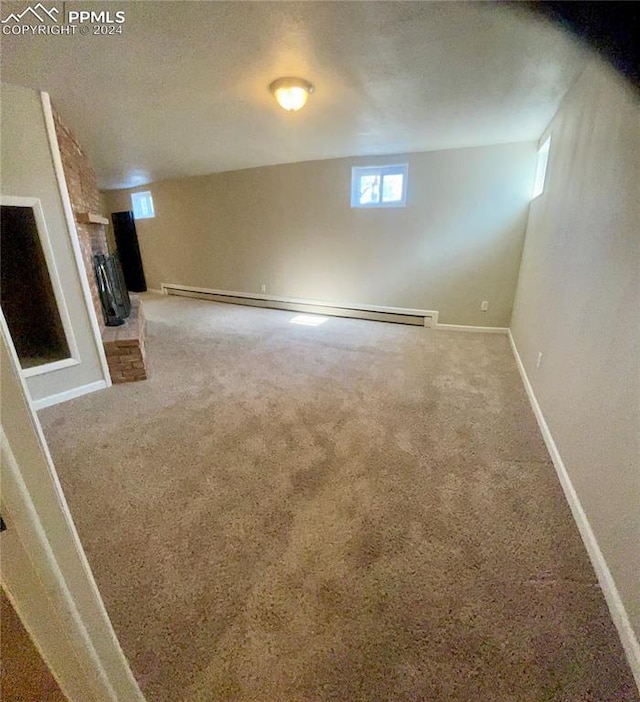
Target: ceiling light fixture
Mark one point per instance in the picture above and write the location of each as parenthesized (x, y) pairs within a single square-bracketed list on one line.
[(291, 93)]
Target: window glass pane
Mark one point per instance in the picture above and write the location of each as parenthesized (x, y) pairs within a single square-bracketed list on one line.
[(369, 189), (541, 168), (379, 186), (392, 187), (142, 205)]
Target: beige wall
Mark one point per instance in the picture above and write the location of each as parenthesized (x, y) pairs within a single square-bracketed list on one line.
[(291, 227), (28, 171), (578, 302)]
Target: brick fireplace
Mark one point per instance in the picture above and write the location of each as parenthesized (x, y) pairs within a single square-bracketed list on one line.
[(124, 345)]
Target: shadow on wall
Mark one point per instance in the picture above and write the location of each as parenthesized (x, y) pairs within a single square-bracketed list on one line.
[(291, 228), (458, 242)]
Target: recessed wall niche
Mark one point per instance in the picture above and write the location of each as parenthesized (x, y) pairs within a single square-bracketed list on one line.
[(26, 293)]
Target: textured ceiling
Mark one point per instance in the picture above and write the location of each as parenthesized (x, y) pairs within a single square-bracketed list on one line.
[(183, 91)]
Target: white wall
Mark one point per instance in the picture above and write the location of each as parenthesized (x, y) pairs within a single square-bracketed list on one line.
[(28, 171), (578, 302), (456, 243)]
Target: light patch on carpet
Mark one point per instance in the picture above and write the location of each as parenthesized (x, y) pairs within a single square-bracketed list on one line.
[(308, 320)]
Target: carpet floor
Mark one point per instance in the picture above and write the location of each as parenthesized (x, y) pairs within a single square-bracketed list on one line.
[(358, 512)]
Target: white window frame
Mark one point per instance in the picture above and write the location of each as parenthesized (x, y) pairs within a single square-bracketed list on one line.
[(142, 196), (541, 168), (357, 172), (73, 359)]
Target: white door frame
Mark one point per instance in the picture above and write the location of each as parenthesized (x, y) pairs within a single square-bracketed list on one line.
[(44, 570)]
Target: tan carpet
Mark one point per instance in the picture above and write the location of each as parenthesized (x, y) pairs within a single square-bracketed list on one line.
[(353, 512)]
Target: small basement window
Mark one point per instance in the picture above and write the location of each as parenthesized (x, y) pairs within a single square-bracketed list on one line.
[(541, 168), (142, 205), (379, 186)]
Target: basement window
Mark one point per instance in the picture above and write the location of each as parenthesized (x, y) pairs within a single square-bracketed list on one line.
[(541, 168), (379, 186), (142, 205)]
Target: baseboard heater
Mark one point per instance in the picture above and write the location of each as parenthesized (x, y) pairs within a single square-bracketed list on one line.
[(397, 315)]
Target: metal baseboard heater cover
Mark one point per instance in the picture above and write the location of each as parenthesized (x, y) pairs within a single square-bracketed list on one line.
[(397, 315)]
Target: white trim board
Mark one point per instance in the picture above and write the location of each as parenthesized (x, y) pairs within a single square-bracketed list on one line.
[(479, 330), (50, 367), (400, 315), (69, 394), (605, 579)]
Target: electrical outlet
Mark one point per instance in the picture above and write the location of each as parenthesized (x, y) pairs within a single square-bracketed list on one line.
[(263, 288), (485, 305), (539, 359)]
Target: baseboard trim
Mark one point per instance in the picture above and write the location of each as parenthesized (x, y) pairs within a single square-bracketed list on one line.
[(401, 315), (607, 584), (156, 291), (69, 394), (466, 328)]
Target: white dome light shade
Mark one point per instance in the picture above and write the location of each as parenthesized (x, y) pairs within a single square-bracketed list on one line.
[(291, 93)]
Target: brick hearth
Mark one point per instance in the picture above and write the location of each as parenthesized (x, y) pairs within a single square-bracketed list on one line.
[(125, 348)]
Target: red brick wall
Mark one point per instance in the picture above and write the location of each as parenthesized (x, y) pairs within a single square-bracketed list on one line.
[(85, 197), (124, 345)]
